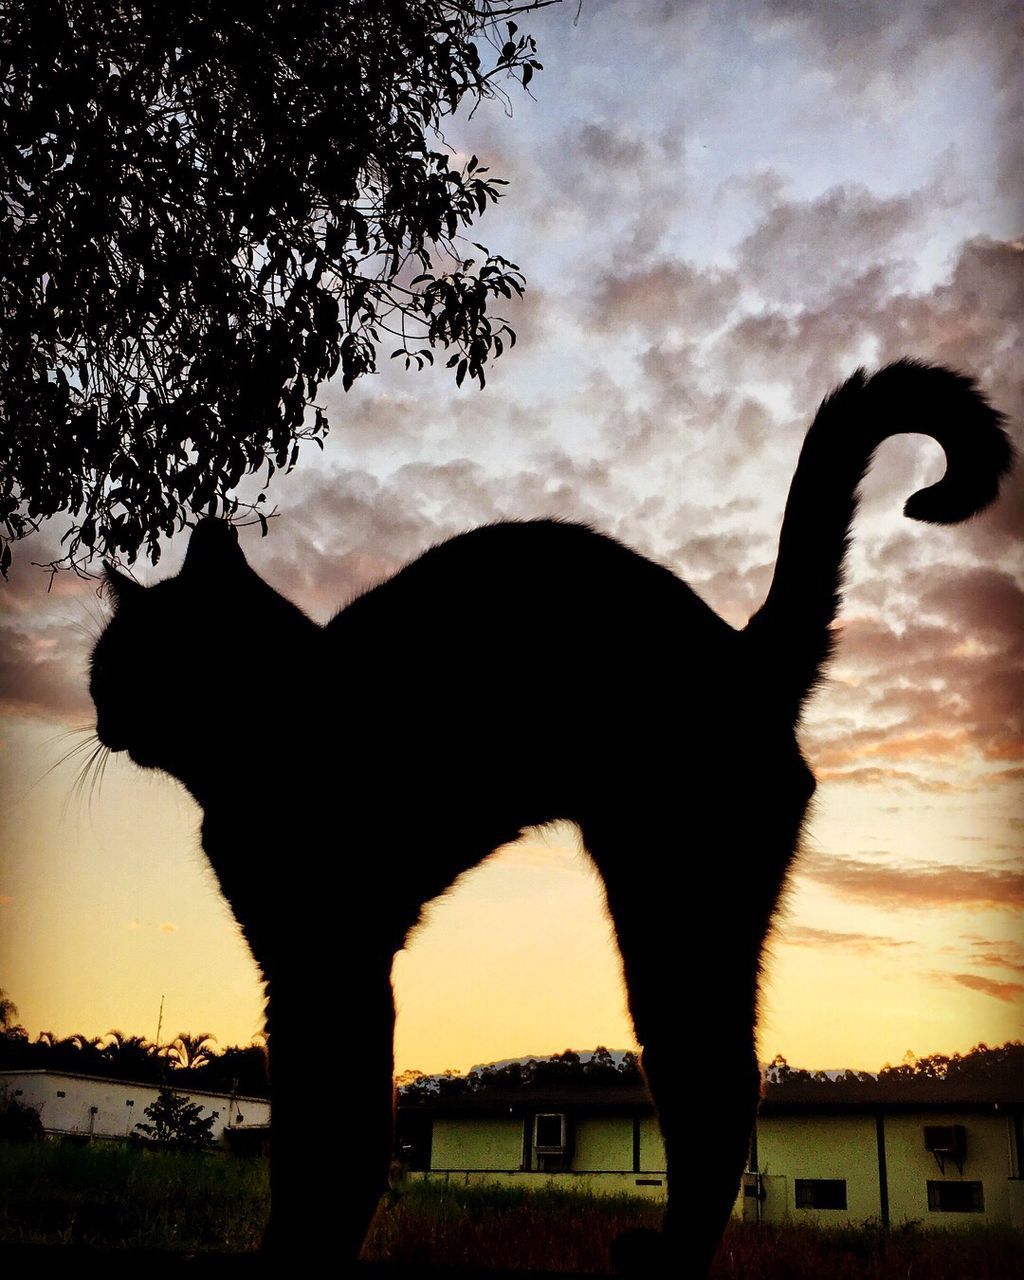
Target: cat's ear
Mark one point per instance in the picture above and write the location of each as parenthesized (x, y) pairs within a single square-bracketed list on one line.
[(213, 549), (122, 588)]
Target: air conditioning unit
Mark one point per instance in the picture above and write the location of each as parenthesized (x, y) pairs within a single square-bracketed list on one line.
[(549, 1134), (946, 1140)]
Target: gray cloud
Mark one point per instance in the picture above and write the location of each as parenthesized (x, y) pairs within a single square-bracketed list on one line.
[(948, 683), (666, 294), (805, 252)]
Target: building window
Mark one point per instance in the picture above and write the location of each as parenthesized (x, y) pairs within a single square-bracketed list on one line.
[(18, 1092), (821, 1193), (956, 1197), (129, 1102), (61, 1093)]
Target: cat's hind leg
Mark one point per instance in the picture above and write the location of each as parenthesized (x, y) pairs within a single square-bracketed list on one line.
[(690, 969)]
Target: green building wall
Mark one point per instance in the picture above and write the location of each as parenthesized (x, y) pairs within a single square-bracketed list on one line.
[(605, 1143), (477, 1144), (789, 1147), (652, 1146), (792, 1147), (986, 1162)]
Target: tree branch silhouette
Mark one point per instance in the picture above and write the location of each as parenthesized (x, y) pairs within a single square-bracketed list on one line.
[(207, 213)]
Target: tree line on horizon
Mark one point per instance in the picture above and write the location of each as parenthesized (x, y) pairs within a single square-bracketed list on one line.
[(189, 1061), (981, 1068), (194, 1061)]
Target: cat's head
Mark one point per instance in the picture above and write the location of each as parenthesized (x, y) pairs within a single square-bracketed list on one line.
[(185, 669)]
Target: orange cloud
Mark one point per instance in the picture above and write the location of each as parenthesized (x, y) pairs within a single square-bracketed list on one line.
[(927, 886), (875, 776), (912, 746), (1008, 991), (798, 935), (1005, 956)]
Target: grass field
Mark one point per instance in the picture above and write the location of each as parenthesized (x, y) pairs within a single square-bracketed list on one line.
[(116, 1196), (113, 1196)]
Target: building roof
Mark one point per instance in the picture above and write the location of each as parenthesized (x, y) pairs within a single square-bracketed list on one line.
[(894, 1094), (129, 1084), (627, 1099), (806, 1097)]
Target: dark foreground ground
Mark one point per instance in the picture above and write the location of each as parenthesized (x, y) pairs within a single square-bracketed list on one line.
[(131, 1210)]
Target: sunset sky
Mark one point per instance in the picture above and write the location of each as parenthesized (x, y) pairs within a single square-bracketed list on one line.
[(721, 210)]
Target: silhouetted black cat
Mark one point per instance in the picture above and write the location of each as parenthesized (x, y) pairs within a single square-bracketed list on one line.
[(349, 773)]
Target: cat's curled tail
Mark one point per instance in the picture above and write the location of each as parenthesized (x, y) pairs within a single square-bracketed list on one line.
[(791, 630)]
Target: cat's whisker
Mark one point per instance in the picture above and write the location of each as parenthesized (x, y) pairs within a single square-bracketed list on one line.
[(74, 791), (82, 780), (90, 621), (64, 734), (88, 736), (77, 749), (101, 769)]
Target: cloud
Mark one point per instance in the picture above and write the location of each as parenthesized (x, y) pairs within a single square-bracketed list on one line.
[(805, 252), (924, 886), (939, 679), (5, 899), (168, 927), (900, 778), (912, 746), (999, 954), (795, 935), (42, 672), (631, 176), (874, 50), (665, 295), (1010, 992)]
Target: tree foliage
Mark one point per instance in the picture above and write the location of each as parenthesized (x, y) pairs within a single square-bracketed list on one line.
[(175, 1121), (190, 1052), (18, 1121), (562, 1071), (982, 1070), (8, 1011), (208, 211), (237, 1069)]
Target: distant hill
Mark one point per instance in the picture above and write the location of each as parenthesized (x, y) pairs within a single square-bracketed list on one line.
[(584, 1055)]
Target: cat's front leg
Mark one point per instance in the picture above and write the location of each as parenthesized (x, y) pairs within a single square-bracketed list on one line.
[(324, 1195)]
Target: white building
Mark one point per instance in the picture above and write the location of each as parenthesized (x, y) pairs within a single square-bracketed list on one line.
[(97, 1107)]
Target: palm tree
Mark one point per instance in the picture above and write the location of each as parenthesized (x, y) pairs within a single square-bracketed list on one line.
[(132, 1056), (80, 1053), (189, 1052)]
